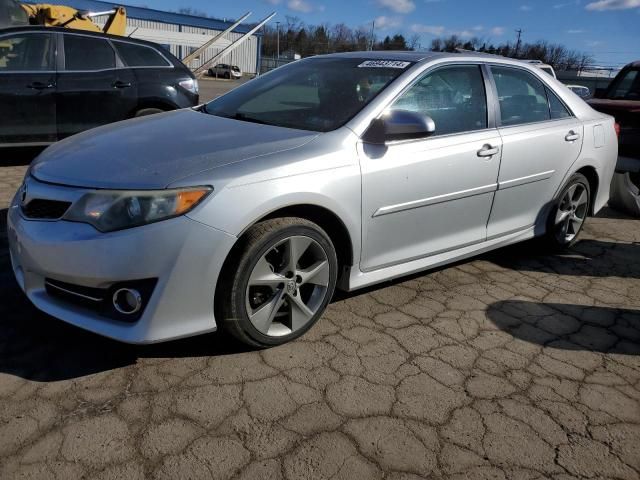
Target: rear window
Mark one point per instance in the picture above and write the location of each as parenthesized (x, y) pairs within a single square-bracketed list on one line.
[(88, 53), (140, 56)]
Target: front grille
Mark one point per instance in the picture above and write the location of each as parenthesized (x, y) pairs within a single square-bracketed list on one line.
[(40, 209)]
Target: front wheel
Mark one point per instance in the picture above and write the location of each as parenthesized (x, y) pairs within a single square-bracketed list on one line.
[(278, 282), (569, 213)]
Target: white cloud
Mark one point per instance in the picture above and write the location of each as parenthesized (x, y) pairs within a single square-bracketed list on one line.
[(478, 28), (300, 6), (567, 4), (601, 5), (594, 43), (497, 31), (274, 2), (575, 32), (384, 23), (526, 8), (398, 6), (430, 29)]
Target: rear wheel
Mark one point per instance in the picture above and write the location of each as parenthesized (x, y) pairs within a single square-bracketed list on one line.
[(569, 213), (278, 282)]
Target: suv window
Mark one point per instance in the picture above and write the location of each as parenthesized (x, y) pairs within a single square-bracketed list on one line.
[(140, 55), (556, 107), (29, 52), (627, 86), (454, 97), (522, 96), (88, 53)]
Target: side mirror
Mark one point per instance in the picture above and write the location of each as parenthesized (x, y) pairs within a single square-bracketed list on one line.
[(600, 93), (399, 125)]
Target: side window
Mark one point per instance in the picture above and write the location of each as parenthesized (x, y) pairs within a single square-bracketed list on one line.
[(26, 53), (87, 53), (522, 96), (140, 56), (454, 97), (557, 108)]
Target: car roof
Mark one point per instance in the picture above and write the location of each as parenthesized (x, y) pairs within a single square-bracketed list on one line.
[(421, 56), (40, 28)]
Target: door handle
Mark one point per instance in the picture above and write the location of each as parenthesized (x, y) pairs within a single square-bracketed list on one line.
[(41, 86), (572, 136), (488, 151), (120, 84)]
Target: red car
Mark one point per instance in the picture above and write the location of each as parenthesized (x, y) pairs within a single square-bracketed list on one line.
[(622, 100)]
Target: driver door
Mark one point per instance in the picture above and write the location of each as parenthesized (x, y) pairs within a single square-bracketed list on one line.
[(428, 196)]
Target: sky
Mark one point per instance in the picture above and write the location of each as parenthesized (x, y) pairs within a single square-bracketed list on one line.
[(607, 29)]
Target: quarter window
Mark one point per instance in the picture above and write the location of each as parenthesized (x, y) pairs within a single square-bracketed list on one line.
[(454, 97), (88, 53), (139, 55), (556, 107), (24, 53), (522, 96)]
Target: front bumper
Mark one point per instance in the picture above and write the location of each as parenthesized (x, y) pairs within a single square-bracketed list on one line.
[(184, 256)]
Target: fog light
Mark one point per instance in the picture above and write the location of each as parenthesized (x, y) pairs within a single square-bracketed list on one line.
[(127, 301)]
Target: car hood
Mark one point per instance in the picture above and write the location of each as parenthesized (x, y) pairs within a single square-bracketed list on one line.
[(153, 152)]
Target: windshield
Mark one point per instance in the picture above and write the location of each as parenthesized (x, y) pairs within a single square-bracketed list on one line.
[(319, 94), (626, 86)]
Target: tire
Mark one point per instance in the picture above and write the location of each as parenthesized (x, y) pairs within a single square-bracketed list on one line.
[(568, 214), (260, 295), (227, 75), (625, 193), (148, 111)]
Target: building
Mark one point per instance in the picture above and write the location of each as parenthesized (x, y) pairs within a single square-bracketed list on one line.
[(181, 34)]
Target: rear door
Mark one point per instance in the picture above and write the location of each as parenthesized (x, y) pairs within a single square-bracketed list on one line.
[(541, 140), (94, 88), (27, 88)]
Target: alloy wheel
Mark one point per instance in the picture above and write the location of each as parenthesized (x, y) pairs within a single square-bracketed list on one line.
[(287, 286), (571, 214)]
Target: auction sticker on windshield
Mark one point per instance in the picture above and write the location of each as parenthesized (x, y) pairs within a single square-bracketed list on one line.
[(384, 64)]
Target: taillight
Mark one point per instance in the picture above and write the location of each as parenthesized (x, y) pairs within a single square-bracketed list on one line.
[(190, 84), (616, 127)]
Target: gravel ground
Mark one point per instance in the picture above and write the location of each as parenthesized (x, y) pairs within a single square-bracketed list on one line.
[(516, 364)]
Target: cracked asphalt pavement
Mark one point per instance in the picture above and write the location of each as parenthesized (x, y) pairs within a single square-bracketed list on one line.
[(517, 364)]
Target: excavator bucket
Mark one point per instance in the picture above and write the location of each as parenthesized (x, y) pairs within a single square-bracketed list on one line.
[(12, 14)]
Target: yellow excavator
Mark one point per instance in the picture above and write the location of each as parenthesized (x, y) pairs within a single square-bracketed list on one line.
[(14, 14)]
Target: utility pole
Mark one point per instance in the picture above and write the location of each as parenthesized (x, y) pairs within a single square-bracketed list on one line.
[(519, 32), (278, 30), (373, 28)]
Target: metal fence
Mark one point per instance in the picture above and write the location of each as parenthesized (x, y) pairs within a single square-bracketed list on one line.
[(270, 63)]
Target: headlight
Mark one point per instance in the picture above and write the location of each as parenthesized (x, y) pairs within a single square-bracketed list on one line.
[(109, 210)]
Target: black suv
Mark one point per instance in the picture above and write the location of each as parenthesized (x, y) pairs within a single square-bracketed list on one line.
[(55, 82)]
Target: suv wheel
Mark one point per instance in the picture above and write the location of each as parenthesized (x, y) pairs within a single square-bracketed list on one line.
[(278, 282)]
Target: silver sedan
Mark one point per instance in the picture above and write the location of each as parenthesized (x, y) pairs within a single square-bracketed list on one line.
[(338, 171)]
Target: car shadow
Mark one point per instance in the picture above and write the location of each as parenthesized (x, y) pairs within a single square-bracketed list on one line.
[(38, 347), (592, 258), (570, 327)]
